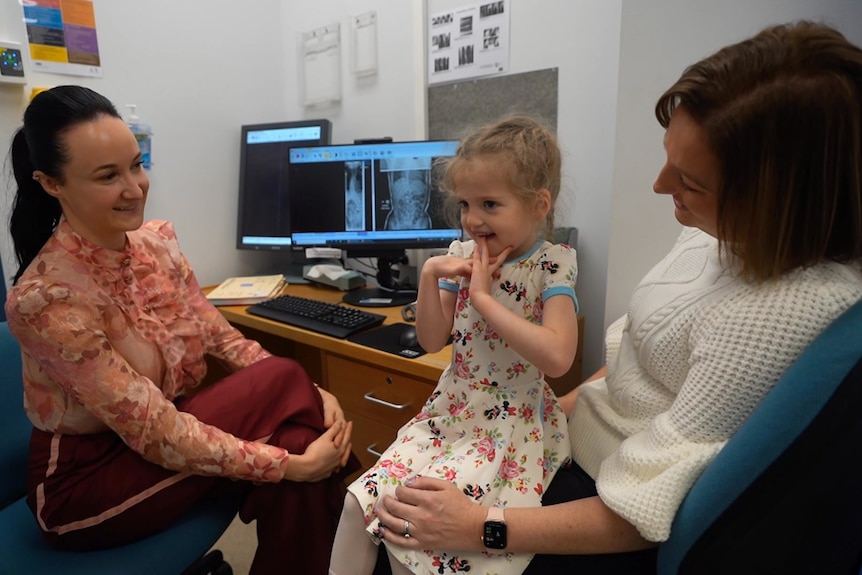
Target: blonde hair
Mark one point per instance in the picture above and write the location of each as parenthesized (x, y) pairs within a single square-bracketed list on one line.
[(529, 150)]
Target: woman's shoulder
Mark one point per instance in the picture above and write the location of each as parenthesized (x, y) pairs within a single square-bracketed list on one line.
[(161, 229), (802, 301), (157, 237), (33, 296)]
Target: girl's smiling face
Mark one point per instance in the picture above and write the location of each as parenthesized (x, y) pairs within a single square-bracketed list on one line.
[(491, 210)]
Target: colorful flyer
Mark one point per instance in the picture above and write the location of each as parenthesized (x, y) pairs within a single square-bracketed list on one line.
[(62, 36)]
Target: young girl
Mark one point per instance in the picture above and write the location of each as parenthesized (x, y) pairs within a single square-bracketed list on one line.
[(492, 425)]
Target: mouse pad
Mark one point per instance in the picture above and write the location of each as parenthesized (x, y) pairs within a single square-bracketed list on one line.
[(387, 339)]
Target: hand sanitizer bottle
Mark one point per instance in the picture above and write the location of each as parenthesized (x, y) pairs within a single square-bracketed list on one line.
[(144, 136)]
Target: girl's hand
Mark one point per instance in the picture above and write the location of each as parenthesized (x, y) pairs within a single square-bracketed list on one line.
[(448, 266), (323, 456), (440, 516), (484, 267)]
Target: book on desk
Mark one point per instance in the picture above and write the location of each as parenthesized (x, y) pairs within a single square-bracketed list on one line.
[(246, 290)]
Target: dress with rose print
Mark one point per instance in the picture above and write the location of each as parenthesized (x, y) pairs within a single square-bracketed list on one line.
[(493, 425)]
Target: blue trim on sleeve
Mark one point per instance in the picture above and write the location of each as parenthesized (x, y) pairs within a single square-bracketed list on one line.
[(562, 290), (448, 285)]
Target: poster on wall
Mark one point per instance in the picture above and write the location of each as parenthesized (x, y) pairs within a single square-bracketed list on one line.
[(468, 42), (62, 36)]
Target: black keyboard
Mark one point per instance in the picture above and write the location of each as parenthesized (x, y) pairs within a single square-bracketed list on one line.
[(327, 318)]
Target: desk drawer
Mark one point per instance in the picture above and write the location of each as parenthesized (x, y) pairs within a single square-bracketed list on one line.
[(375, 394), (369, 438)]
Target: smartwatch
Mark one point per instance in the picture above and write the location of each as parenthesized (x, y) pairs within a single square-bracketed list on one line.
[(494, 532)]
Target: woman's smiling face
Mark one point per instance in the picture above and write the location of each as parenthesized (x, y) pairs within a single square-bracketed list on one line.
[(104, 187), (690, 175)]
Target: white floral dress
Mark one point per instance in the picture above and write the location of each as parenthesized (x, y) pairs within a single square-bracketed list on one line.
[(492, 426)]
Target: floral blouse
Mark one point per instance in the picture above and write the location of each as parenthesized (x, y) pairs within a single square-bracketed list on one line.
[(110, 338)]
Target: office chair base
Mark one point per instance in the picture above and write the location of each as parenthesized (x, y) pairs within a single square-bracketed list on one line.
[(212, 563)]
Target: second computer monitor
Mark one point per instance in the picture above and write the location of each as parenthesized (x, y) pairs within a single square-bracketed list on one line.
[(374, 199), (263, 216)]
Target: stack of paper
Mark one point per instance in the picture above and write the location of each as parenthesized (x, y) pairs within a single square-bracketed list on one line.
[(246, 290)]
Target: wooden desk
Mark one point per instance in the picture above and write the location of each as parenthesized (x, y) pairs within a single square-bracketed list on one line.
[(379, 391)]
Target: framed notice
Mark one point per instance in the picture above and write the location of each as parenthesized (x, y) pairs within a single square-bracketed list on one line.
[(321, 57), (363, 49), (62, 36), (468, 42)]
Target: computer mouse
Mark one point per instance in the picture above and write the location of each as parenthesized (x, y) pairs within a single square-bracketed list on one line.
[(408, 337)]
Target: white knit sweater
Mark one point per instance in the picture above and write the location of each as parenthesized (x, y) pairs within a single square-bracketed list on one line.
[(697, 351)]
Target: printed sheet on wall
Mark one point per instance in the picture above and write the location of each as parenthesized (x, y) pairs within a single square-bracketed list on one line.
[(468, 42)]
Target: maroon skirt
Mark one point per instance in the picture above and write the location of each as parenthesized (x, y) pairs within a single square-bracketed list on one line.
[(92, 491)]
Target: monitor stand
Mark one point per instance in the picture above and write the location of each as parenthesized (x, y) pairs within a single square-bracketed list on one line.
[(388, 294), (380, 297), (293, 274)]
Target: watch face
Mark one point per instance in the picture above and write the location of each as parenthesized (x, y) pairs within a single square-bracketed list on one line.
[(495, 535)]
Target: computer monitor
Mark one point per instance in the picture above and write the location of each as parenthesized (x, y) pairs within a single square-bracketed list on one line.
[(263, 214), (373, 199)]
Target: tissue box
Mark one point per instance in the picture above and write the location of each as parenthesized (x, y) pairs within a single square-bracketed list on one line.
[(345, 281)]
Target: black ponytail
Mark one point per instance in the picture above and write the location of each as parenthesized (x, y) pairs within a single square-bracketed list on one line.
[(38, 145), (35, 213)]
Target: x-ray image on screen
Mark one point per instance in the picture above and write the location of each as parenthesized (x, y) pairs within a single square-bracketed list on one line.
[(403, 200), (380, 197), (354, 195)]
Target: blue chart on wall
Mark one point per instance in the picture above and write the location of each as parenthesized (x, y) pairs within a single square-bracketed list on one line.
[(455, 109)]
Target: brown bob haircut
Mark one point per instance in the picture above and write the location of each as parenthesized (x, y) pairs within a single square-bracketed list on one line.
[(782, 111)]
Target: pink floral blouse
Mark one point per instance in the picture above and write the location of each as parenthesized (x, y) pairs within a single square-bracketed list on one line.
[(110, 338)]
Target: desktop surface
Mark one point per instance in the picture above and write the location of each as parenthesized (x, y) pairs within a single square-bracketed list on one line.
[(276, 335), (284, 339)]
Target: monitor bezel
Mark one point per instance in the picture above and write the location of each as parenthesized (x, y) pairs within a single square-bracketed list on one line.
[(325, 139)]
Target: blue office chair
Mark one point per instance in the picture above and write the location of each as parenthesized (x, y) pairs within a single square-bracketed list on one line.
[(785, 493), (181, 549)]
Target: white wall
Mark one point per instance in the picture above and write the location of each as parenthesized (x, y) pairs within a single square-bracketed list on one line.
[(658, 40), (389, 103), (198, 70), (580, 38)]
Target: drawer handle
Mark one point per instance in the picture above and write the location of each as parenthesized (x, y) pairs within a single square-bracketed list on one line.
[(370, 449), (370, 397)]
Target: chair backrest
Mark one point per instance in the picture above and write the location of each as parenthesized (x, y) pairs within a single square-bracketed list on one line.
[(568, 236), (15, 428), (793, 460)]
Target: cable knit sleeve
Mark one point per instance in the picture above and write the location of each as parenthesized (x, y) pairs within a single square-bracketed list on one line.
[(739, 342)]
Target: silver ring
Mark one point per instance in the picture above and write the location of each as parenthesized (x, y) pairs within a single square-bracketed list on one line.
[(406, 529)]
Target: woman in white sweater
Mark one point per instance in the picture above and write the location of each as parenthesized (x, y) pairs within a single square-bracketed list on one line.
[(764, 168)]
